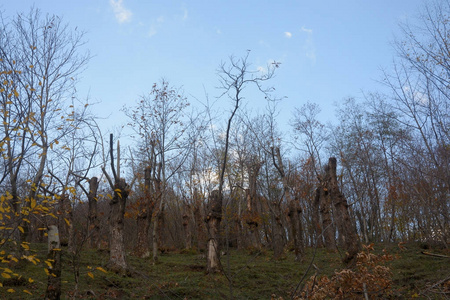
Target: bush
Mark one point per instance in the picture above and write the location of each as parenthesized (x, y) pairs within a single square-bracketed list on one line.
[(370, 279)]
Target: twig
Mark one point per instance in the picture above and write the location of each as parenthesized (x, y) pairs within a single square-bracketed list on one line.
[(366, 296)]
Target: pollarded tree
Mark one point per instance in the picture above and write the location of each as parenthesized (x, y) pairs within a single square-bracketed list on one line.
[(117, 255), (311, 136), (161, 123)]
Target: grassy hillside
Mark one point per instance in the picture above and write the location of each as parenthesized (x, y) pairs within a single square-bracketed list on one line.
[(249, 275)]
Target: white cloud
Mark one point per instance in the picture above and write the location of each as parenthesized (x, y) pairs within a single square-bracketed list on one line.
[(122, 14), (152, 31), (261, 69), (304, 29), (308, 47), (288, 34), (185, 15), (156, 25), (417, 97)]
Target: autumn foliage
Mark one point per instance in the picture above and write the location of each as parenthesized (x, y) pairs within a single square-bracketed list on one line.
[(371, 279)]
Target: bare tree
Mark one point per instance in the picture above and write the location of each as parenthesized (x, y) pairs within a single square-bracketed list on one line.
[(420, 92), (234, 77), (43, 56), (160, 120), (294, 212)]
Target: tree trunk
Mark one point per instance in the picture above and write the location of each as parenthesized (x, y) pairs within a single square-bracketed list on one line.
[(296, 228), (94, 224), (213, 223), (252, 219), (327, 225), (65, 223), (277, 232), (157, 228), (317, 227), (54, 258), (144, 217), (117, 260), (292, 204), (345, 224), (199, 224), (157, 214), (142, 249), (187, 226)]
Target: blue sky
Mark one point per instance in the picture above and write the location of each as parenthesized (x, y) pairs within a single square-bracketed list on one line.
[(329, 50)]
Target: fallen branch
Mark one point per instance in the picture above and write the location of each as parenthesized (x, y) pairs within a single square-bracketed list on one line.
[(435, 285), (435, 255)]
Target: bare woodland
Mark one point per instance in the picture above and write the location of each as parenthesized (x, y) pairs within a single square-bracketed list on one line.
[(195, 179)]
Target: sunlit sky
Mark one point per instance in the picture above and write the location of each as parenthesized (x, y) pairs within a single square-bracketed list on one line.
[(329, 50)]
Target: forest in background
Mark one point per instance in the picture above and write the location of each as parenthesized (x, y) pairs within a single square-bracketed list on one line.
[(211, 181)]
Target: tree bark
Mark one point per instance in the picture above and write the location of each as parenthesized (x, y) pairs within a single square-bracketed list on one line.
[(294, 209), (144, 217), (159, 200), (94, 224), (317, 227), (325, 205), (54, 258), (294, 214), (117, 260), (187, 226), (345, 224), (277, 232), (65, 223), (213, 223), (199, 224), (252, 217)]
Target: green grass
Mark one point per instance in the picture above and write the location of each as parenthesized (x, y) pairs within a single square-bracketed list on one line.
[(182, 275)]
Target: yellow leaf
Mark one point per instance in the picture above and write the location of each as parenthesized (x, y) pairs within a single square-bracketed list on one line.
[(33, 203), (21, 229), (28, 292), (25, 246), (31, 66), (6, 275), (30, 280), (10, 291), (101, 269), (90, 275), (16, 93), (49, 264), (8, 270), (67, 221)]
